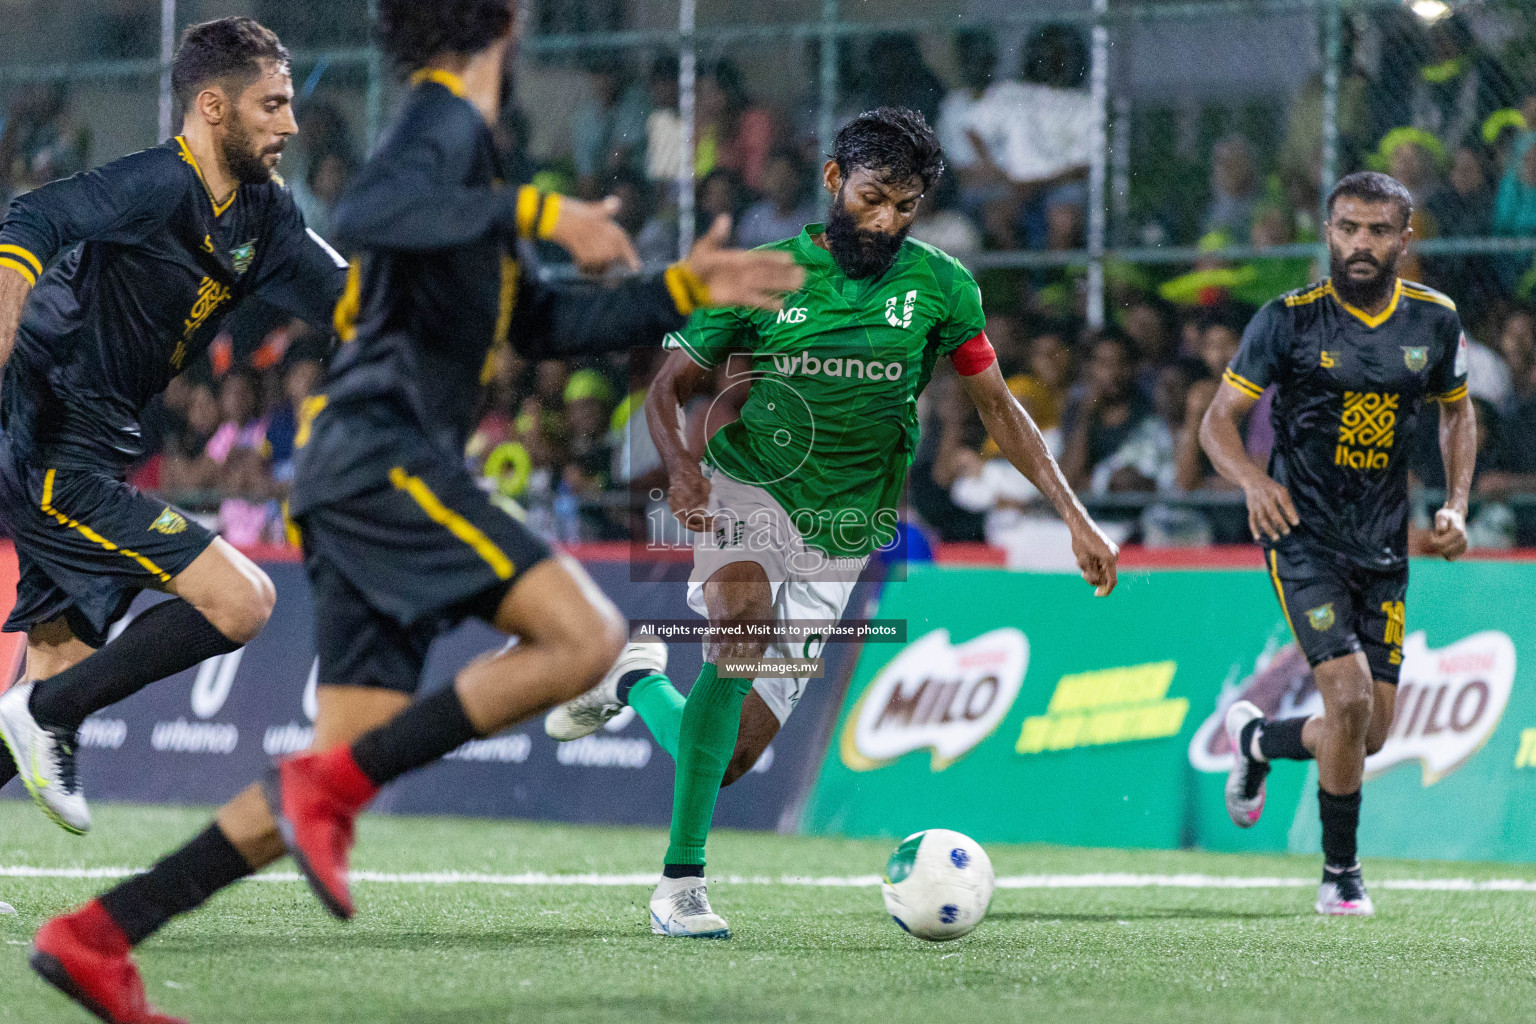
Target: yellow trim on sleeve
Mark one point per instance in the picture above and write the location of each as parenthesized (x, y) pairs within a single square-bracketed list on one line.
[(687, 290), (456, 524), (1423, 294), (447, 79), (91, 535), (1274, 575), (186, 155), (1308, 297), (31, 260), (551, 215), (20, 268), (1242, 384), (1454, 395), (527, 209), (344, 319), (311, 407)]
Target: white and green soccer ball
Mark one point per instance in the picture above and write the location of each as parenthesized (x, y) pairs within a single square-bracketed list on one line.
[(938, 884)]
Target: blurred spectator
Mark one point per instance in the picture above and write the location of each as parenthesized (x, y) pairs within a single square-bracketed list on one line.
[(1459, 86), (1060, 139), (1517, 347), (1149, 325), (1145, 460), (786, 206), (325, 181), (720, 194), (243, 425), (664, 126), (1109, 412), (1043, 387), (1514, 213), (589, 454), (732, 133), (39, 143), (964, 109), (806, 115), (283, 422), (1235, 188), (1464, 209), (897, 75), (608, 133), (941, 224)]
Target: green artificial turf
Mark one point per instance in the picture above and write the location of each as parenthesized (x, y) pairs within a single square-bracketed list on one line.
[(481, 953)]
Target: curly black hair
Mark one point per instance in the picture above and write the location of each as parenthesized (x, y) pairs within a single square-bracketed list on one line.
[(895, 142), (228, 50), (413, 32), (1373, 187)]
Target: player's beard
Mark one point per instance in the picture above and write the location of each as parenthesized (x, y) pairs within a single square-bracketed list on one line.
[(860, 253), (242, 157), (1361, 293)]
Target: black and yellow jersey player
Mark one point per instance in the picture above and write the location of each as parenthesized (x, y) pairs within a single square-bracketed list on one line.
[(112, 282), (1355, 360)]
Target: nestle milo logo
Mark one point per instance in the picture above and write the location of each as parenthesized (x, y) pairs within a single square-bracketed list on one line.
[(838, 366), (938, 696)]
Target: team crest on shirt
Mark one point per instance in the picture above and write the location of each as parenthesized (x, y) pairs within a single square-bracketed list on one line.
[(1415, 357), (1321, 619), (170, 522), (898, 309), (242, 255)]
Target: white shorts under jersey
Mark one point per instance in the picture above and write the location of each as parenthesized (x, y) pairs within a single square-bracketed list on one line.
[(750, 526)]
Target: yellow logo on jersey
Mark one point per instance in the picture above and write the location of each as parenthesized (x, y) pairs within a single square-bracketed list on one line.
[(1327, 361), (169, 523), (1366, 430)]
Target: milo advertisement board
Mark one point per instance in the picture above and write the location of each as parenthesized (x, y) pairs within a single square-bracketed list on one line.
[(1023, 709)]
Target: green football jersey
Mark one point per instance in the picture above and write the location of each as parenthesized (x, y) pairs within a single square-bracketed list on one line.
[(830, 425)]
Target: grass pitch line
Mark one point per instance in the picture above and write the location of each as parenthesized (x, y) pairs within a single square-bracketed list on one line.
[(1102, 880)]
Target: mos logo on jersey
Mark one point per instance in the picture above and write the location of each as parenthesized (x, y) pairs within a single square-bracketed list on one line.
[(900, 317)]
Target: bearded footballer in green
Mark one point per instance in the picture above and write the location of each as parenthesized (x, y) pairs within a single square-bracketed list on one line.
[(794, 496)]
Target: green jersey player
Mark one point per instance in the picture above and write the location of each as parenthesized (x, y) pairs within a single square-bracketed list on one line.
[(794, 496)]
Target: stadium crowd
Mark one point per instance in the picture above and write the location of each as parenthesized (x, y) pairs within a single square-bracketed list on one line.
[(1433, 106)]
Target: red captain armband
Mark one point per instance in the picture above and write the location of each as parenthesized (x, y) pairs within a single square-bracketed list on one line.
[(974, 356)]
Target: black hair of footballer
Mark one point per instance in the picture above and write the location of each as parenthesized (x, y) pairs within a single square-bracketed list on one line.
[(1373, 187), (413, 31), (229, 50), (896, 143)]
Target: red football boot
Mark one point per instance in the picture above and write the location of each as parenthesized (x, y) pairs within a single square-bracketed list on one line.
[(315, 799), (85, 956)]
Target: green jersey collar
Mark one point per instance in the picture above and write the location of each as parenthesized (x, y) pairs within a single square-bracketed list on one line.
[(808, 248)]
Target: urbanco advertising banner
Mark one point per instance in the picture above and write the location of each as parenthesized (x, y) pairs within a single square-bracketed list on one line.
[(203, 735), (1023, 709)]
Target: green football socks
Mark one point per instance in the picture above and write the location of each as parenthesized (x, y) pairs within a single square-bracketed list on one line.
[(710, 722), (660, 707)]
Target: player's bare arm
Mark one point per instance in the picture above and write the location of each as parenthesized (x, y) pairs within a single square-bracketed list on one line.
[(14, 289), (688, 491), (1271, 513), (1458, 449), (1021, 444)]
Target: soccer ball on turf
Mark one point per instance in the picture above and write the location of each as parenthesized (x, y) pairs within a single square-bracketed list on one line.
[(938, 884)]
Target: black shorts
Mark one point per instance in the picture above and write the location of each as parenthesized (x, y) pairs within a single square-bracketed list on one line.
[(87, 543), (393, 567), (1336, 607)]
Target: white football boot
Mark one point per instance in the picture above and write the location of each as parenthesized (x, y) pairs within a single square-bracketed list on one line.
[(45, 760), (1245, 782), (680, 909), (592, 710), (1343, 894)]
